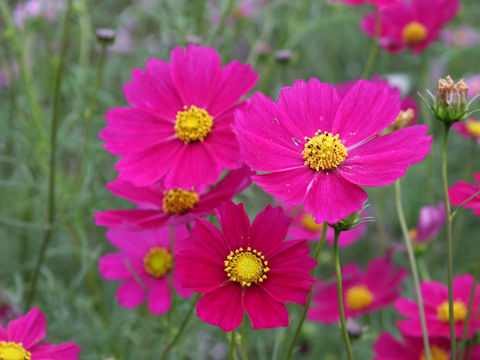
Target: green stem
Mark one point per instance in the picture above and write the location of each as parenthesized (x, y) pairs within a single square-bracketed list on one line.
[(243, 348), (413, 267), (183, 325), (367, 71), (318, 249), (231, 352), (452, 216), (449, 242), (338, 270), (52, 163)]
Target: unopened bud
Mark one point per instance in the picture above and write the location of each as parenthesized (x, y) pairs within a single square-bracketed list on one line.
[(283, 56), (451, 100), (105, 36), (354, 329)]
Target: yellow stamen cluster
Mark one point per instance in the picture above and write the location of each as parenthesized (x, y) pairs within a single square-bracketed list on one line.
[(403, 119), (414, 33), (157, 262), (358, 297), (324, 151), (193, 124), (436, 354), (179, 201), (459, 311), (309, 223), (473, 127), (413, 233), (13, 351), (246, 266)]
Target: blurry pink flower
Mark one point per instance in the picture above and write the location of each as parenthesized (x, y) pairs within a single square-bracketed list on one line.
[(363, 291), (463, 36), (473, 83), (48, 9), (20, 340), (144, 256), (7, 310), (158, 206), (178, 128), (315, 148), (462, 190), (361, 2), (410, 24), (244, 9), (305, 228), (430, 222), (435, 298), (245, 268), (469, 128)]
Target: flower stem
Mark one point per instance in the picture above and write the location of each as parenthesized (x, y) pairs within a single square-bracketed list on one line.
[(338, 270), (413, 267), (52, 163), (449, 242), (183, 325), (243, 348), (452, 216), (231, 353), (367, 71), (318, 249)]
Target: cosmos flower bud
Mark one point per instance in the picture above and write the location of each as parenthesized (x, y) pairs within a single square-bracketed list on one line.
[(451, 100), (283, 56), (105, 36)]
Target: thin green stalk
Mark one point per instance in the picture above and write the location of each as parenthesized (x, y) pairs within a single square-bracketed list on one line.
[(231, 352), (52, 163), (183, 325), (466, 325), (367, 71), (243, 347), (413, 267), (452, 216), (318, 249), (449, 243), (338, 270)]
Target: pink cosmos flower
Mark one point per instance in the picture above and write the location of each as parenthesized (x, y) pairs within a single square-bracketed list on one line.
[(363, 291), (463, 36), (410, 24), (473, 83), (178, 127), (305, 228), (21, 340), (435, 298), (158, 206), (48, 9), (144, 256), (430, 222), (462, 190), (411, 348), (245, 267), (361, 2), (469, 129), (314, 148)]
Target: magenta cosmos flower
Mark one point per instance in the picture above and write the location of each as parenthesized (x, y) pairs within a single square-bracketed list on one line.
[(144, 256), (158, 206), (430, 222), (178, 127), (21, 340), (305, 228), (411, 348), (435, 298), (245, 267), (410, 24), (363, 291), (314, 148), (462, 190), (469, 129)]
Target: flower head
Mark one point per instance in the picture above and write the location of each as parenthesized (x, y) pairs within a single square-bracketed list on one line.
[(363, 291), (158, 206), (245, 267), (47, 9), (361, 2), (21, 340), (410, 24), (177, 129), (145, 265), (469, 128), (462, 191), (315, 148), (451, 100), (430, 222), (435, 298), (463, 36)]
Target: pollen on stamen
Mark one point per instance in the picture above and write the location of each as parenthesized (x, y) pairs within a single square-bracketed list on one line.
[(193, 124), (414, 33), (246, 266), (179, 201), (324, 151)]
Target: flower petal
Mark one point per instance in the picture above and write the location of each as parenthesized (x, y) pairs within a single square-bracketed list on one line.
[(47, 351), (264, 312), (159, 298), (235, 224), (28, 329), (130, 294)]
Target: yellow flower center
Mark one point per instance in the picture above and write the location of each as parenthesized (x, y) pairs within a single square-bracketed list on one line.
[(436, 354), (358, 297), (413, 233), (193, 124), (13, 351), (310, 224), (459, 311), (179, 201), (473, 127), (414, 33), (324, 151), (158, 261), (403, 119), (246, 266)]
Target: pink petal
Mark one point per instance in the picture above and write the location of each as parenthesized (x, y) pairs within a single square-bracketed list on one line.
[(132, 218), (235, 224), (47, 351), (207, 237), (177, 285), (140, 195), (130, 294), (131, 243), (28, 329), (114, 266), (284, 287), (264, 312), (222, 307), (159, 297)]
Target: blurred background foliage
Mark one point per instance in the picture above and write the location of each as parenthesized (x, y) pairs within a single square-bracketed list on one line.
[(316, 39)]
